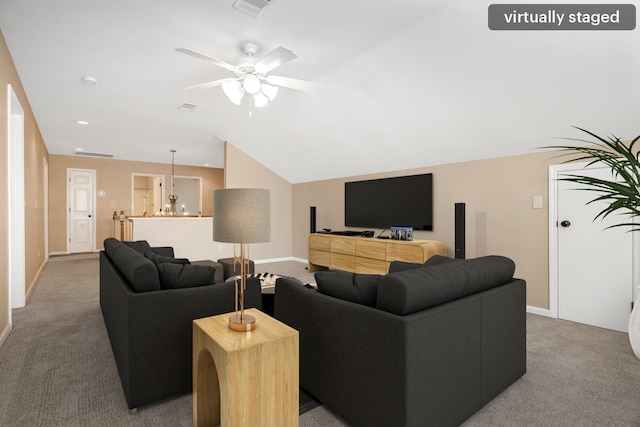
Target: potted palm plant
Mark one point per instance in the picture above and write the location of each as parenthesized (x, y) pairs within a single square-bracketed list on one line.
[(621, 194)]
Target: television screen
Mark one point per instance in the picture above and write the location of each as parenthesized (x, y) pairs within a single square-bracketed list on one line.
[(404, 201)]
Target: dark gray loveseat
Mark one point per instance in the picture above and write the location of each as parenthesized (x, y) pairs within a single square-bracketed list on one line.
[(150, 326), (425, 346)]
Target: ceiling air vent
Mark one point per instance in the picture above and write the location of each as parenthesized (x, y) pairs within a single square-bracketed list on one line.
[(251, 7), (92, 154), (185, 106)]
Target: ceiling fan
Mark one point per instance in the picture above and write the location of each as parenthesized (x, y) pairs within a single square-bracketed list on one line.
[(251, 75)]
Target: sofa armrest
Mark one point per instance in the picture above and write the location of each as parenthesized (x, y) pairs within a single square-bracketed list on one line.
[(351, 355), (159, 337), (161, 331), (151, 332)]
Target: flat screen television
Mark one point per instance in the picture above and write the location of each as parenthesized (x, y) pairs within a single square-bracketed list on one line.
[(404, 201)]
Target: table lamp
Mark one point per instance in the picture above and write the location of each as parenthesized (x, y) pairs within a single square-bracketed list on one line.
[(241, 216)]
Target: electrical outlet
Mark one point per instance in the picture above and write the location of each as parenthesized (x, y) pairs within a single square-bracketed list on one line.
[(220, 248)]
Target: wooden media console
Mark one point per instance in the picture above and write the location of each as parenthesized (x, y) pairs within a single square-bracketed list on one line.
[(365, 254)]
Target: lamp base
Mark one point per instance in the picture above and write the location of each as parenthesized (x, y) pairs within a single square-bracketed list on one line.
[(244, 323)]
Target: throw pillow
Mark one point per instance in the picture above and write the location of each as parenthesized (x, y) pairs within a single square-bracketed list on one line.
[(367, 288), (159, 259), (140, 246), (337, 284), (358, 288), (175, 276)]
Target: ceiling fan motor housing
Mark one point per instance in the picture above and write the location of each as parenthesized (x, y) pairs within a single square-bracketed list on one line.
[(246, 66)]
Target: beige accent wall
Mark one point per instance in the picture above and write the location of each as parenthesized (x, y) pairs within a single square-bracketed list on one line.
[(242, 171), (35, 157), (499, 215), (114, 178)]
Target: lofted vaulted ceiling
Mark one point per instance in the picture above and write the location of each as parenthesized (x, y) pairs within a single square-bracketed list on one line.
[(404, 84)]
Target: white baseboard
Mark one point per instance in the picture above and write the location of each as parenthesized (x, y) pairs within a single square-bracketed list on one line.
[(265, 261), (58, 253), (539, 311), (289, 258), (5, 334)]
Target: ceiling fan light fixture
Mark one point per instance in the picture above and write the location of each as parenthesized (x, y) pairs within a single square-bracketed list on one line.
[(234, 91), (251, 84), (270, 90), (251, 74), (260, 100)]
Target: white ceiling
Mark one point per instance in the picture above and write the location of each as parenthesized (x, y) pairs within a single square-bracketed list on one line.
[(405, 83)]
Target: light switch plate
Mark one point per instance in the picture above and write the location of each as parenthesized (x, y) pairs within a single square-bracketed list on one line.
[(537, 202)]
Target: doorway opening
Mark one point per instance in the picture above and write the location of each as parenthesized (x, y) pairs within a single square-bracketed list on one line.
[(147, 194), (16, 226)]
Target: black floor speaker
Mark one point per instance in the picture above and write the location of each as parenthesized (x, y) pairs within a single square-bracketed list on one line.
[(312, 219), (459, 230)]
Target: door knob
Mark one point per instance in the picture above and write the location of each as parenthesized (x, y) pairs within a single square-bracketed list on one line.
[(565, 223), (89, 216)]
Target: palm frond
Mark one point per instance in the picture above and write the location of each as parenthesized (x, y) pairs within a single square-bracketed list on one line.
[(622, 193)]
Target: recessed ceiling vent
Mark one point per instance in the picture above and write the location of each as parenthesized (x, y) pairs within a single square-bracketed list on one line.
[(251, 7), (185, 106), (93, 154)]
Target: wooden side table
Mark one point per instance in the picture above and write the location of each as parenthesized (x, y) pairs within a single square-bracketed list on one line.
[(245, 378)]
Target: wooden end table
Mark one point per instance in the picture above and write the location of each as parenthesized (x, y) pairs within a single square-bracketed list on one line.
[(245, 378)]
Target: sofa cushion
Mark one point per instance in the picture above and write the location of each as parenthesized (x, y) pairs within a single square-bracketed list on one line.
[(141, 246), (359, 288), (140, 273), (439, 259), (290, 280), (396, 266), (409, 291), (174, 276), (159, 259)]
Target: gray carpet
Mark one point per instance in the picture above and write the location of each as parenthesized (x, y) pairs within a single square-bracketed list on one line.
[(57, 369)]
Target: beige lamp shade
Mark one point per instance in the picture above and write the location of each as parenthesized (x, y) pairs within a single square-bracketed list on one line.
[(242, 215)]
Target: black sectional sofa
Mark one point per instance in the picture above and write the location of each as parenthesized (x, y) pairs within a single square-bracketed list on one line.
[(425, 345), (149, 300)]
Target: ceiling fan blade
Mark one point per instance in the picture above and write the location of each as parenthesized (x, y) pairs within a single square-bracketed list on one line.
[(204, 57), (292, 83), (274, 59), (213, 83)]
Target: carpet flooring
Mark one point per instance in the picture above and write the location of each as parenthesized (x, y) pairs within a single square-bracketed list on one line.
[(57, 368)]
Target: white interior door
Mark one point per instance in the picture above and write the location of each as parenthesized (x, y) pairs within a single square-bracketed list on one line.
[(81, 202), (595, 265)]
